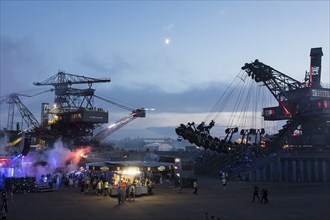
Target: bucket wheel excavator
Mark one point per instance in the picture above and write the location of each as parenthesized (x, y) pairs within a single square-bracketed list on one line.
[(304, 106)]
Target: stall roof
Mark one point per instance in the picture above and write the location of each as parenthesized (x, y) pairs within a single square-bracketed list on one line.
[(112, 165)]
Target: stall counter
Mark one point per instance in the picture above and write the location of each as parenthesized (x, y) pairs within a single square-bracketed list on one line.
[(141, 190), (114, 191)]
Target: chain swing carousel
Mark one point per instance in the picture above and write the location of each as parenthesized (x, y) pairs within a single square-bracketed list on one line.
[(238, 113)]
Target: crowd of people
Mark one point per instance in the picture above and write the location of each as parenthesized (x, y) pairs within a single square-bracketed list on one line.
[(125, 188), (19, 184)]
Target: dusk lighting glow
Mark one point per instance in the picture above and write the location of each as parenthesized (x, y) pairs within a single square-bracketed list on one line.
[(131, 171)]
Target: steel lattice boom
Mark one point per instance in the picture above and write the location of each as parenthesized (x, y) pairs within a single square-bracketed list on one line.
[(66, 78)]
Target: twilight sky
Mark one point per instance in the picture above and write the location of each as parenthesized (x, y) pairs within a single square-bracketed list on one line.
[(177, 57)]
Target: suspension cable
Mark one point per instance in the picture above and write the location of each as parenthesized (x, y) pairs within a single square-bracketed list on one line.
[(115, 103), (224, 99)]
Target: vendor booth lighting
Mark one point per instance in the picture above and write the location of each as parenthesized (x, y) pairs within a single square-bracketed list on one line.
[(104, 168), (177, 160), (161, 168), (131, 171)]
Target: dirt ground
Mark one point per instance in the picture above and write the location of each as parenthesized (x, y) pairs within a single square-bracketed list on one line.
[(303, 201)]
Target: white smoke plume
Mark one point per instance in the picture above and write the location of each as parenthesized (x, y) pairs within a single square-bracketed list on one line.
[(56, 160)]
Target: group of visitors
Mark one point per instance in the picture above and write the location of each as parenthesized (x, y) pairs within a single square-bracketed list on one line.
[(264, 195), (126, 192), (264, 191)]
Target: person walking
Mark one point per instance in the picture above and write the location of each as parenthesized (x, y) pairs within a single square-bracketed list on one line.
[(195, 185), (119, 194), (4, 207), (255, 193), (87, 184), (106, 188), (132, 192), (82, 186), (127, 190), (264, 195), (4, 197), (99, 187), (224, 183), (94, 184), (3, 213), (123, 193)]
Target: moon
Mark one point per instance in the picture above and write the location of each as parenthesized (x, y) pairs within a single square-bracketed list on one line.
[(167, 41)]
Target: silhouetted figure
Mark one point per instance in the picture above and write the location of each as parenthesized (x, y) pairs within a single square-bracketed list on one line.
[(264, 196), (255, 193), (4, 200), (119, 195), (195, 185), (3, 213), (211, 124), (201, 127), (224, 183)]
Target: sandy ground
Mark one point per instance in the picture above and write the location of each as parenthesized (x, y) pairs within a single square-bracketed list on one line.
[(303, 201)]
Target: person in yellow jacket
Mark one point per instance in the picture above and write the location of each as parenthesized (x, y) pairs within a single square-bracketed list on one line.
[(99, 187), (106, 188)]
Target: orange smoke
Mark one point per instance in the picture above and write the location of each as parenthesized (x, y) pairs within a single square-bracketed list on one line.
[(79, 153)]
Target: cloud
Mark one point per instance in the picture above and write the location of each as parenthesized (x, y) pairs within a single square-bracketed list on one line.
[(20, 60), (112, 65), (161, 68), (194, 100)]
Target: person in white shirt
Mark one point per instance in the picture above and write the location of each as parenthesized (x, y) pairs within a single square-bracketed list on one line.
[(132, 192)]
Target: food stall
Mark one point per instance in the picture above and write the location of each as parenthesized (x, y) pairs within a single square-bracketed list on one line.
[(125, 173)]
